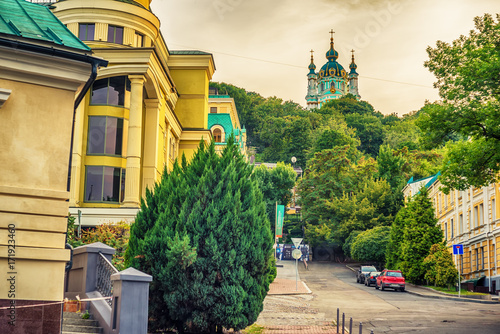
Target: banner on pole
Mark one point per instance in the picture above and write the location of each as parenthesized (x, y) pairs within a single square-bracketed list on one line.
[(280, 215)]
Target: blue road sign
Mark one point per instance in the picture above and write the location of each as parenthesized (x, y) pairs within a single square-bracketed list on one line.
[(458, 249)]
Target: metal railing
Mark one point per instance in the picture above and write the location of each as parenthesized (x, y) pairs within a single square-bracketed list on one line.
[(104, 271), (343, 329), (42, 1)]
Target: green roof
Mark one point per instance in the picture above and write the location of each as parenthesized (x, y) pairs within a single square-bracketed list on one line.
[(223, 120), (35, 22), (219, 96), (188, 52)]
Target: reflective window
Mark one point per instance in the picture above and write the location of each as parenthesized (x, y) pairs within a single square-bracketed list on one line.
[(113, 91), (86, 31), (105, 135), (115, 34), (217, 135), (104, 184)]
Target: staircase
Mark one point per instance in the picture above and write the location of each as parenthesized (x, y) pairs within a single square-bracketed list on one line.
[(74, 324)]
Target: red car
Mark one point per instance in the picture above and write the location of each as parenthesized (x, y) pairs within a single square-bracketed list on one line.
[(390, 279)]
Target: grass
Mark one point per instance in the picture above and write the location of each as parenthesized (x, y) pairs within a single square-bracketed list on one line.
[(453, 291), (254, 329)]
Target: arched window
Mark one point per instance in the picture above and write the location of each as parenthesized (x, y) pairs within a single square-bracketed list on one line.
[(217, 135)]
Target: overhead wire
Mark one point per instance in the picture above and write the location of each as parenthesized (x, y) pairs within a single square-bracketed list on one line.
[(296, 66)]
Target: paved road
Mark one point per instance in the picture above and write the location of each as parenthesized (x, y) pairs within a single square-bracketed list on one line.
[(334, 285)]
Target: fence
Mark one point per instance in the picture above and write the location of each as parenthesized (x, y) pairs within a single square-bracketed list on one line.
[(343, 328)]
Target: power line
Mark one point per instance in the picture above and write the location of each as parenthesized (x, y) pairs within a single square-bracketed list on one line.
[(296, 66)]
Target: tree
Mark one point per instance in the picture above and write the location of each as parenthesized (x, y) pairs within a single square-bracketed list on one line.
[(371, 245), (440, 269), (369, 130), (468, 79), (418, 231), (276, 185), (204, 236)]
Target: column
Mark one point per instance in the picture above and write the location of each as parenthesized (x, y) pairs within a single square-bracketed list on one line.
[(152, 138), (134, 143)]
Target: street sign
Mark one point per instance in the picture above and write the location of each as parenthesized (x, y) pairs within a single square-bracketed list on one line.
[(296, 254), (458, 249), (280, 214), (296, 241)]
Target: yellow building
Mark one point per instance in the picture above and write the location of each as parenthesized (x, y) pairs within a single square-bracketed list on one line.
[(468, 218), (223, 121), (44, 72), (147, 108)]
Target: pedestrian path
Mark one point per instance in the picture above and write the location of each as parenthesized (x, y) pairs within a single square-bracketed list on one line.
[(287, 307)]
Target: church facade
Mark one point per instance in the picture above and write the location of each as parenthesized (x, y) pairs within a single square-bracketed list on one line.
[(332, 81)]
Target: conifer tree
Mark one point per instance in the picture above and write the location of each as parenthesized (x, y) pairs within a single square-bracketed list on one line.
[(204, 236), (413, 233)]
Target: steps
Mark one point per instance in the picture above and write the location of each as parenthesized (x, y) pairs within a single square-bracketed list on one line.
[(74, 324)]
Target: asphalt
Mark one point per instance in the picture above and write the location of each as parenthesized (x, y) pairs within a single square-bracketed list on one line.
[(288, 299), (430, 293)]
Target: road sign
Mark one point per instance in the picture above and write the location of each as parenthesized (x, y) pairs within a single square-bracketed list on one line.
[(296, 254), (458, 249), (296, 241)]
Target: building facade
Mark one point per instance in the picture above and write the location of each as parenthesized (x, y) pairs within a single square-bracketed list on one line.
[(223, 121), (146, 109), (468, 218), (44, 73), (332, 81)]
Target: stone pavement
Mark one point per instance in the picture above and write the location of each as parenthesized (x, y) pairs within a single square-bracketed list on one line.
[(287, 307)]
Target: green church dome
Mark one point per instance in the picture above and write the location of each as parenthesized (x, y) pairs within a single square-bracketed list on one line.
[(332, 68)]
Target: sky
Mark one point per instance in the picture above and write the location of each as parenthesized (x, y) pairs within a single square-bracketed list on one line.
[(264, 45)]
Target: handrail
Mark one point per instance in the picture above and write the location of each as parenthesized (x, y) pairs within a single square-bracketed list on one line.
[(104, 271)]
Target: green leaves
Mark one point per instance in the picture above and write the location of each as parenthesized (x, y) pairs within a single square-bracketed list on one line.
[(468, 74), (440, 269), (204, 236)]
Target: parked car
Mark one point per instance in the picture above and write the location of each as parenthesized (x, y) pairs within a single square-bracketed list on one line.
[(371, 278), (390, 279), (360, 275)]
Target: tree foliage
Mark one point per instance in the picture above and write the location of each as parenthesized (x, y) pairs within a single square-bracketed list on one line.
[(204, 236), (440, 269), (468, 79), (413, 233), (276, 185), (370, 245)]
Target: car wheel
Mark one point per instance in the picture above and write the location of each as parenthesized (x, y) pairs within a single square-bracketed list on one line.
[(357, 279), (382, 287), (402, 289), (376, 286)]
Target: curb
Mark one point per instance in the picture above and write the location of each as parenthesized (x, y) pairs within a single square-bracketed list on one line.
[(466, 300)]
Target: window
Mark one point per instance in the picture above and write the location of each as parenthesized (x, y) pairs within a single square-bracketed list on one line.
[(477, 259), (217, 135), (115, 34), (452, 228), (138, 40), (445, 231), (104, 184), (482, 258), (493, 211), (113, 91), (461, 223), (476, 216), (213, 110), (86, 31), (105, 135), (481, 214)]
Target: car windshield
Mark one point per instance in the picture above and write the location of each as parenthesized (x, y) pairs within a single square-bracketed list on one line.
[(368, 269), (394, 274)]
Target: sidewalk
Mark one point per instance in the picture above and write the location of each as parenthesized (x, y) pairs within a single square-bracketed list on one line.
[(286, 283), (287, 307)]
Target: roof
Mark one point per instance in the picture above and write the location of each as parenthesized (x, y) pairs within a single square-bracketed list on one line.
[(219, 96), (223, 120), (132, 2), (32, 21), (189, 52)]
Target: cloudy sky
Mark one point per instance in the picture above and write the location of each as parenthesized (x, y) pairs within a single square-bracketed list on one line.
[(263, 45)]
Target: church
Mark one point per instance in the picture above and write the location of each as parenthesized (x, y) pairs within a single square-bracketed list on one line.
[(332, 81)]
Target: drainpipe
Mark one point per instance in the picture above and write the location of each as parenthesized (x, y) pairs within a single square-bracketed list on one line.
[(79, 99)]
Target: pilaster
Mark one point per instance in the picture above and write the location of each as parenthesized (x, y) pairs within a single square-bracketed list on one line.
[(134, 143), (152, 137)]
